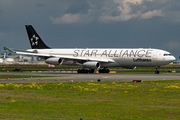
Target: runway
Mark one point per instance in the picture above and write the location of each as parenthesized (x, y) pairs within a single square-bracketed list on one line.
[(90, 77)]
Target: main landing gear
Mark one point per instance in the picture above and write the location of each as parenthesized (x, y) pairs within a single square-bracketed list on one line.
[(157, 70), (85, 71), (105, 70)]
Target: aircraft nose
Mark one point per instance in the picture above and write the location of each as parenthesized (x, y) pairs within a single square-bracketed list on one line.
[(172, 59)]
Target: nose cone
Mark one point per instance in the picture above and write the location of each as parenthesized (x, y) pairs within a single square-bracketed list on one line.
[(172, 59)]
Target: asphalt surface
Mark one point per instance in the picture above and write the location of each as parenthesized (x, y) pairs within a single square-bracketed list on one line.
[(90, 77)]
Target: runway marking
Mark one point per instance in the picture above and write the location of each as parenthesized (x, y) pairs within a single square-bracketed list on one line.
[(105, 77)]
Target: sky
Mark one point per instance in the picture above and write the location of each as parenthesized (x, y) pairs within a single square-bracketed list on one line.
[(92, 23)]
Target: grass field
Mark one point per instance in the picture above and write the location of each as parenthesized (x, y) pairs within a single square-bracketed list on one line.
[(28, 76), (91, 100), (35, 67)]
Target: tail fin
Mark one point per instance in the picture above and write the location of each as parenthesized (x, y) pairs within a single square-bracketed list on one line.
[(35, 40)]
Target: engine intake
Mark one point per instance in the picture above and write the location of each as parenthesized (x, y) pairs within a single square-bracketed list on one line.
[(91, 65), (54, 61)]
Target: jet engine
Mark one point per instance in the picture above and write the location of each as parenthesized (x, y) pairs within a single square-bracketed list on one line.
[(91, 65), (54, 61)]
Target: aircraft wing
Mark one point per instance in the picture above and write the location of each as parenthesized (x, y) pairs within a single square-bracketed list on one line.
[(58, 56)]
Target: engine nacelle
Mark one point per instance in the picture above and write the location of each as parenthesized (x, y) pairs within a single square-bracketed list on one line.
[(91, 65), (54, 61)]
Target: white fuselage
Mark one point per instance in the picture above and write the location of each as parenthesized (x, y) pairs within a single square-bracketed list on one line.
[(121, 57)]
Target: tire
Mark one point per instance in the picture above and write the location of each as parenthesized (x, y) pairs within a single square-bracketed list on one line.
[(91, 71), (78, 71), (107, 71), (156, 72)]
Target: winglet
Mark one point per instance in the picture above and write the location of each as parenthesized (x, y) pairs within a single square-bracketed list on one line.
[(10, 50)]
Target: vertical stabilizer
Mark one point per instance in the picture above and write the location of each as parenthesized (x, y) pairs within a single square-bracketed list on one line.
[(34, 39)]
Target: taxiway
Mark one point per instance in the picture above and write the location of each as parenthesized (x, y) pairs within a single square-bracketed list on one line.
[(90, 77)]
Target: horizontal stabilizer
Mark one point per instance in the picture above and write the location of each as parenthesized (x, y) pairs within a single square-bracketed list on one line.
[(10, 50)]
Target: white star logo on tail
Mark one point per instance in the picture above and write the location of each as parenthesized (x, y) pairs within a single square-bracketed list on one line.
[(34, 40)]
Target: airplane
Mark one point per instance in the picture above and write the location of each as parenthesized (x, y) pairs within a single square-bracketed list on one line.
[(95, 58)]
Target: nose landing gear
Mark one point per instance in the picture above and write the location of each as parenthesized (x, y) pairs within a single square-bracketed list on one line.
[(157, 70)]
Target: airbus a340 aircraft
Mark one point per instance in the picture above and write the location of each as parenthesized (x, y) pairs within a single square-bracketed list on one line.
[(94, 59)]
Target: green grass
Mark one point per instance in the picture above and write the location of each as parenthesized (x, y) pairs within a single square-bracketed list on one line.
[(35, 67), (91, 100), (27, 76)]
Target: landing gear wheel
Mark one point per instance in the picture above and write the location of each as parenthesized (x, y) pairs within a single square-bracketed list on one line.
[(104, 70), (82, 71), (91, 71), (107, 71), (157, 70)]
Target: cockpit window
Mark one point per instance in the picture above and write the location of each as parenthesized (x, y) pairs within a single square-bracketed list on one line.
[(167, 55)]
